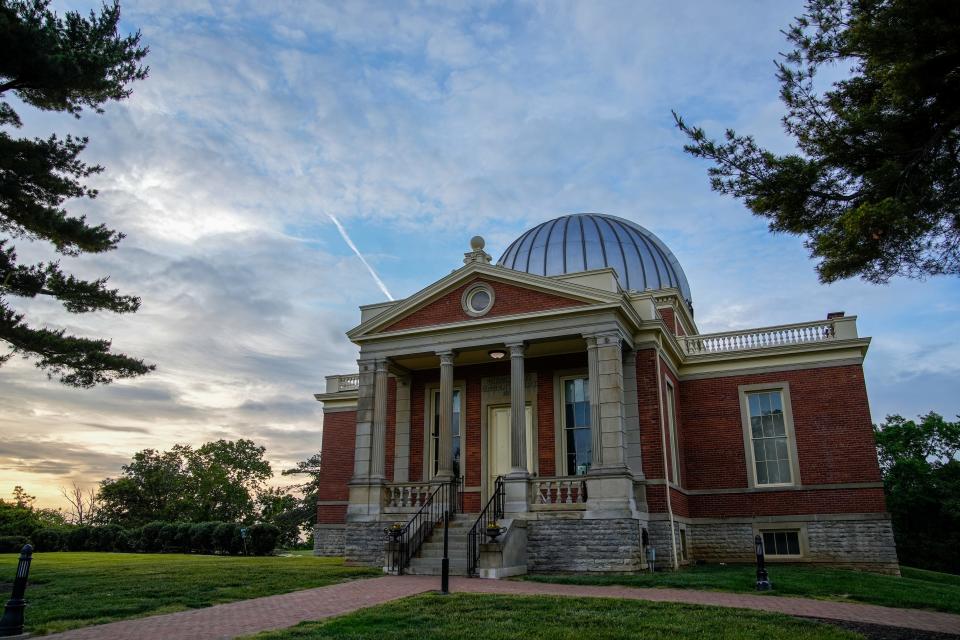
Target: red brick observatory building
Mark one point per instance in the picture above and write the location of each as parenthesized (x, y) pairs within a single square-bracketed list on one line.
[(566, 393)]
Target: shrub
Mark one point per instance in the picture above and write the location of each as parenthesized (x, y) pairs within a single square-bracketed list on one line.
[(49, 539), (104, 538), (226, 538), (262, 538), (78, 538), (150, 540), (181, 539), (128, 540), (201, 536), (12, 544), (168, 537)]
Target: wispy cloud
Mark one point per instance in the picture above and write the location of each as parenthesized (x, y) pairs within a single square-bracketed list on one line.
[(373, 274)]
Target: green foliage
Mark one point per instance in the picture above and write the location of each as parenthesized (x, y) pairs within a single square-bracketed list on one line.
[(215, 482), (64, 65), (150, 540), (263, 539), (226, 538), (20, 518), (921, 478), (293, 509), (70, 590), (875, 186), (78, 538), (49, 539), (12, 544)]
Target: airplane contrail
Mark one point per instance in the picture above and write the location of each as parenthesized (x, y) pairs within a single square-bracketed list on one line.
[(346, 238)]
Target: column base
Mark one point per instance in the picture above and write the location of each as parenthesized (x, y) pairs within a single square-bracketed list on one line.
[(367, 500), (516, 493), (610, 494)]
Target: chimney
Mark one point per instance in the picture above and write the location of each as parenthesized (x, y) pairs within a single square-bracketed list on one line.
[(834, 315)]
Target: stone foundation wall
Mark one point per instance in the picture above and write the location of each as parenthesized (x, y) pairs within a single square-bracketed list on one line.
[(328, 540), (364, 543), (864, 544), (584, 545), (659, 533)]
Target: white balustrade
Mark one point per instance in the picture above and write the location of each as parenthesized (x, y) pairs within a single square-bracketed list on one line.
[(404, 495), (569, 490), (349, 382), (767, 337)]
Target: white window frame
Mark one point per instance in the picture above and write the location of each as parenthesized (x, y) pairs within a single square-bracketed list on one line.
[(430, 392), (771, 527), (784, 389), (671, 402), (560, 416)]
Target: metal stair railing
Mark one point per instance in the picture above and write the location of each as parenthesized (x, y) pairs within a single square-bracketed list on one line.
[(404, 542), (492, 512)]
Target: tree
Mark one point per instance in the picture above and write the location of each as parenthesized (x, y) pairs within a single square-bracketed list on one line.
[(294, 513), (83, 504), (874, 187), (921, 477), (23, 499), (65, 65), (19, 517), (215, 482)]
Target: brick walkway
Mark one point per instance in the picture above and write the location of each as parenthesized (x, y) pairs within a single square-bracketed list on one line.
[(225, 621)]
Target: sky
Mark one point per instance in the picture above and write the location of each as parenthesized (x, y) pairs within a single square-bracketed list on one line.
[(285, 163)]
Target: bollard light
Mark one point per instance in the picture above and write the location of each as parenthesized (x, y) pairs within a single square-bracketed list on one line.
[(12, 622), (763, 581)]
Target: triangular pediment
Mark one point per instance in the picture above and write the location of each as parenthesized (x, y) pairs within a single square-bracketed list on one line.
[(514, 293)]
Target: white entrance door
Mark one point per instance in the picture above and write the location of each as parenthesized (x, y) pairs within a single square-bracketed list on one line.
[(498, 458)]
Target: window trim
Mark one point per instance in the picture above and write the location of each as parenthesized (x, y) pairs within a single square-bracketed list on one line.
[(802, 539), (558, 415), (429, 391), (751, 463), (468, 294)]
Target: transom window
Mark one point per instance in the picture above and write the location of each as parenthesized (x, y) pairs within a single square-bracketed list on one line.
[(781, 543), (455, 431), (576, 425), (768, 434)]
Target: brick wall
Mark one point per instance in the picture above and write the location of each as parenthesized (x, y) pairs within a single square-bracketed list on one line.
[(831, 421), (509, 299), (669, 318), (339, 433), (648, 405)]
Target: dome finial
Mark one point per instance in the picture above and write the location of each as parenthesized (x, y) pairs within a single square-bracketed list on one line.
[(477, 254)]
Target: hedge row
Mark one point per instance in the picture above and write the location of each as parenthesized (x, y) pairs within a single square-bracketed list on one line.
[(155, 537)]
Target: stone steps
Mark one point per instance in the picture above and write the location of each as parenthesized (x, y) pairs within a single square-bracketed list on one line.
[(430, 557)]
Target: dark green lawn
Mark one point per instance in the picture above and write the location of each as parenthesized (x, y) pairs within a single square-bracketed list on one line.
[(488, 617), (916, 589), (69, 590)]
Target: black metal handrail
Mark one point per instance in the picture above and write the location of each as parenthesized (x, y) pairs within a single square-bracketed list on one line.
[(492, 512), (404, 542)]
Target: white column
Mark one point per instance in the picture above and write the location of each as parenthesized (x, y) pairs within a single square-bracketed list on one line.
[(445, 445), (518, 412), (364, 432), (401, 451), (379, 432), (593, 386)]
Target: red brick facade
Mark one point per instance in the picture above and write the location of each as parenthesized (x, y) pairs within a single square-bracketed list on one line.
[(509, 299), (339, 434)]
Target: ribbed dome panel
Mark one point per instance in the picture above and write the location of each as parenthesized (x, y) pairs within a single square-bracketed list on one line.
[(586, 241)]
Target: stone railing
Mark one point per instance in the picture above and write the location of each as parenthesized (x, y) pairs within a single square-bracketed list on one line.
[(765, 338), (349, 382), (408, 495), (558, 492)]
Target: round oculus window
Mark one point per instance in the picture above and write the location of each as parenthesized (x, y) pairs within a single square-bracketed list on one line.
[(478, 300)]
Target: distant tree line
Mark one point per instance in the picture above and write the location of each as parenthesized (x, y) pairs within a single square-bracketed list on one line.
[(174, 501), (920, 461)]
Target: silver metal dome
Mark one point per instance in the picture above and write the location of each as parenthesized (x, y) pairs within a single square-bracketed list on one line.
[(585, 241)]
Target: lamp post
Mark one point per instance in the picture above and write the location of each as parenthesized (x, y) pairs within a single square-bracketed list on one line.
[(445, 563), (12, 622), (763, 581)]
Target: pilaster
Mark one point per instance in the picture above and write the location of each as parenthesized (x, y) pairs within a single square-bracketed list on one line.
[(445, 445)]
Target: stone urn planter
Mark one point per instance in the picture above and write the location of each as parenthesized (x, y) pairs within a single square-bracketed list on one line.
[(494, 530), (394, 531)]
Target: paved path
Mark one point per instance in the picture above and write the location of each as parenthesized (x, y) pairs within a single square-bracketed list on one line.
[(225, 621)]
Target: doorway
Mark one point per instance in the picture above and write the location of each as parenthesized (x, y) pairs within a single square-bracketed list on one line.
[(498, 443)]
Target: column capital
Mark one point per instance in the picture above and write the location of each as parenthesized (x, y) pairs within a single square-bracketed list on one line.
[(446, 357), (517, 349), (382, 366), (612, 337)]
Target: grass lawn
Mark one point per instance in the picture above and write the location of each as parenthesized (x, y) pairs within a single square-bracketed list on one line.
[(499, 617), (69, 590), (916, 589)]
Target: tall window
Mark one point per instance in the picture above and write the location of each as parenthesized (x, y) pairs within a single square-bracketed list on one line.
[(674, 445), (576, 423), (455, 431), (768, 433)]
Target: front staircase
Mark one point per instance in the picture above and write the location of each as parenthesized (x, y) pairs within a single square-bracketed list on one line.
[(427, 560)]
